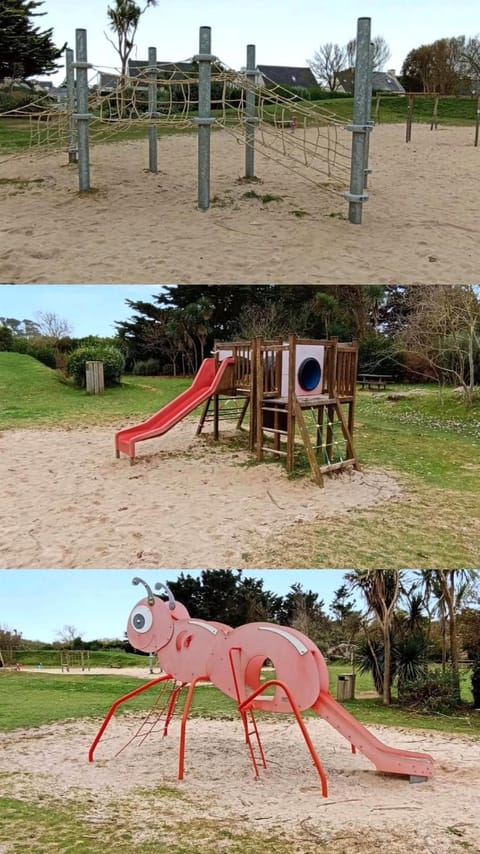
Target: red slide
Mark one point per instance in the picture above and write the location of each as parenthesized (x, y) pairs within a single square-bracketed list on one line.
[(204, 385), (389, 760)]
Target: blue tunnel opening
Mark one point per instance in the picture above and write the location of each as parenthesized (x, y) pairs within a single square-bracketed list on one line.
[(309, 374)]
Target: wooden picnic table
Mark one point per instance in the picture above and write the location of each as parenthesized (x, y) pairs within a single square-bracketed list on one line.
[(375, 380)]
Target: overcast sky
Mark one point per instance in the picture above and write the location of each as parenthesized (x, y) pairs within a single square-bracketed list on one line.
[(285, 32), (90, 309), (38, 603)]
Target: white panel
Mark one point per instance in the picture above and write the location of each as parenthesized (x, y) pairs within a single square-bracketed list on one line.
[(302, 352)]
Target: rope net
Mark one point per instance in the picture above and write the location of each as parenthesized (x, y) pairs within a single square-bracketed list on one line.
[(296, 133)]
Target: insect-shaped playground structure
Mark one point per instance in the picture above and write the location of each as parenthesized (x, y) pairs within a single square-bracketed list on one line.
[(192, 651)]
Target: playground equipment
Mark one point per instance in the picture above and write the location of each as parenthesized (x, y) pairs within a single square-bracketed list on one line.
[(283, 382), (192, 651), (71, 659), (212, 95)]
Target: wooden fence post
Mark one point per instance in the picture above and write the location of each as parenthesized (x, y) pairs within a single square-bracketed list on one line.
[(94, 377)]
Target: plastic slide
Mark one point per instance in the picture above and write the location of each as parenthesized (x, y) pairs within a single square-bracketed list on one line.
[(204, 385), (388, 760)]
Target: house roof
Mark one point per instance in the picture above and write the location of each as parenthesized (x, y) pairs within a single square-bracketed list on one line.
[(285, 75), (174, 70), (108, 81), (381, 82), (384, 82)]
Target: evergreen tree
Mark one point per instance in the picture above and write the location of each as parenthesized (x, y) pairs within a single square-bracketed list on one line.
[(25, 50)]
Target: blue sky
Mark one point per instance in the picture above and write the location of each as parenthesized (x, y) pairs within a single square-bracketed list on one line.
[(38, 603), (285, 32), (90, 309)]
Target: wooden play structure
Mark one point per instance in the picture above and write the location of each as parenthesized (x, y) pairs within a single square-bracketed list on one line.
[(192, 651), (299, 389)]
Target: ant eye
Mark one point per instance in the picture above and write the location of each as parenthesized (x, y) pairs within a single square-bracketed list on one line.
[(141, 619)]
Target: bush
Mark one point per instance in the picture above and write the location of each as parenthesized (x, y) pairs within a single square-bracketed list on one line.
[(6, 338), (475, 681), (433, 692), (147, 368), (43, 353), (376, 355), (112, 358)]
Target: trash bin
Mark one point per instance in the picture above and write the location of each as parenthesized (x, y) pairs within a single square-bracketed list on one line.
[(346, 686)]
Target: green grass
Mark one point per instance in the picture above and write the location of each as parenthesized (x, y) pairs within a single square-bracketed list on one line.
[(34, 699), (52, 825), (429, 442), (15, 134), (36, 396)]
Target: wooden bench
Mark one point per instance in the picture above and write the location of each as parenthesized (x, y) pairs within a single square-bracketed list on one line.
[(374, 380)]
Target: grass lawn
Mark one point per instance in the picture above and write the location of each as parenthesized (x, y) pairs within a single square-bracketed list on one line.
[(35, 396), (15, 134), (45, 822), (428, 440), (34, 699)]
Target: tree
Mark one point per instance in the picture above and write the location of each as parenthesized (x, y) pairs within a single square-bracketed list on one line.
[(470, 59), (443, 328), (25, 50), (381, 589), (380, 53), (20, 328), (6, 338), (328, 61), (124, 20), (50, 325), (69, 636), (437, 68), (10, 641), (449, 587)]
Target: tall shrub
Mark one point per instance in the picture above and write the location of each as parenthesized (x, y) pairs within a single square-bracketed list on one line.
[(112, 358)]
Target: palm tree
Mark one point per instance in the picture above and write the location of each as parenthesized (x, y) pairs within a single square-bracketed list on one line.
[(450, 586), (124, 20), (381, 589)]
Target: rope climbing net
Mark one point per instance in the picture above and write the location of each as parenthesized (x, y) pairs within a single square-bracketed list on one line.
[(299, 134)]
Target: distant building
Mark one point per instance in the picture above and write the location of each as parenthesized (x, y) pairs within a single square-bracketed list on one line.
[(285, 75), (382, 81)]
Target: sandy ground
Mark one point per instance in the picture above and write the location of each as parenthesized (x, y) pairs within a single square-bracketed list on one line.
[(67, 502), (420, 224), (364, 812)]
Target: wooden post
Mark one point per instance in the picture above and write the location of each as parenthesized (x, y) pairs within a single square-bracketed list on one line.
[(317, 474), (376, 117), (292, 346), (434, 122), (216, 414), (259, 397), (94, 377), (347, 435), (203, 416), (241, 417), (329, 437), (477, 122), (408, 134), (253, 395)]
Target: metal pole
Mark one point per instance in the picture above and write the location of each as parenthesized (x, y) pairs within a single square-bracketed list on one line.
[(370, 124), (152, 110), (72, 128), (359, 127), (82, 117), (204, 121), (250, 114)]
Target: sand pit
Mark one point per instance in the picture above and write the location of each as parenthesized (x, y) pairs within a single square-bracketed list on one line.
[(420, 224), (66, 502), (139, 791)]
